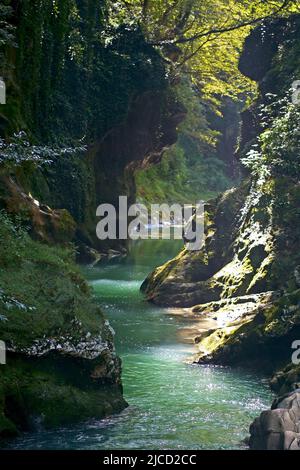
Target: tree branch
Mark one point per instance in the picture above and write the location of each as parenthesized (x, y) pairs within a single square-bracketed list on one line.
[(243, 24)]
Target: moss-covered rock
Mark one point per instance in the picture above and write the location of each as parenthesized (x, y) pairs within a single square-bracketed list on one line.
[(253, 232), (61, 362), (254, 255), (52, 391), (262, 335), (189, 279)]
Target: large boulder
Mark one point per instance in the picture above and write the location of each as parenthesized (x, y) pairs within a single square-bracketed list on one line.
[(278, 428), (61, 364)]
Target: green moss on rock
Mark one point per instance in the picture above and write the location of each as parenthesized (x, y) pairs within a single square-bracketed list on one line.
[(61, 363)]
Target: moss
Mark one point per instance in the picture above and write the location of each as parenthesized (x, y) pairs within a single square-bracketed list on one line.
[(210, 268), (264, 333), (47, 280), (49, 312), (259, 282), (36, 394), (216, 340)]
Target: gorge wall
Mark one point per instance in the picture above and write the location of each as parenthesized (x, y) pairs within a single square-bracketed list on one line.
[(246, 275), (104, 100), (111, 95)]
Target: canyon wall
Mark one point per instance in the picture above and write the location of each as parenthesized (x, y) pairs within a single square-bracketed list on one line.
[(246, 276), (70, 85)]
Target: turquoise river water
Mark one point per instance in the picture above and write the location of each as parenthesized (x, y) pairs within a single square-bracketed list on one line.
[(172, 404)]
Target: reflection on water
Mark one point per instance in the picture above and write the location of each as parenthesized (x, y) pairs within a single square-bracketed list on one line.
[(173, 405)]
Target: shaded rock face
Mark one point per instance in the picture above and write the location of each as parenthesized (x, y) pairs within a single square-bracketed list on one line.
[(278, 428), (259, 49), (150, 128), (274, 39)]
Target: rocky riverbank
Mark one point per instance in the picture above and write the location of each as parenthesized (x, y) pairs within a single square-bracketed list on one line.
[(61, 365), (246, 276)]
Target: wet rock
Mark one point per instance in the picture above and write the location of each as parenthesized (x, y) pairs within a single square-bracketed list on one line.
[(87, 255)]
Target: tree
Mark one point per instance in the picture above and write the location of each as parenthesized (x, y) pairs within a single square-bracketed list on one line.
[(201, 38)]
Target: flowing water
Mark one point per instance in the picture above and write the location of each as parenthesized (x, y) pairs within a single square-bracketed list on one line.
[(172, 404)]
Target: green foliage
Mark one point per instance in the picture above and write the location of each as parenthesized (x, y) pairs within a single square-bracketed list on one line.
[(8, 303), (202, 38), (16, 246), (80, 62), (13, 230), (74, 83), (41, 287), (13, 233), (182, 177), (278, 150), (165, 182), (70, 185)]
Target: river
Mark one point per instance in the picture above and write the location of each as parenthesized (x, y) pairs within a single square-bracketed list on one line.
[(172, 404)]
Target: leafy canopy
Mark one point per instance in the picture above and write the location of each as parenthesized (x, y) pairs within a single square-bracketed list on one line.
[(201, 38)]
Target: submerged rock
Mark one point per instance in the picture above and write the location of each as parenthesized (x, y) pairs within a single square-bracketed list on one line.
[(89, 256)]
